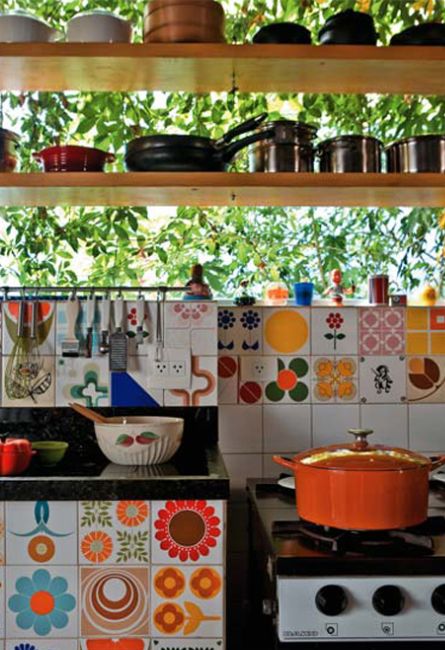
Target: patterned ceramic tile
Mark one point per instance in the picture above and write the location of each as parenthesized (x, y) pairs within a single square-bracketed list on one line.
[(188, 532), (258, 368), (251, 392), (382, 380), (114, 532), (287, 427), (187, 600), (41, 532), (334, 330), (426, 330), (41, 602), (148, 328), (24, 643), (382, 330), (291, 383), (187, 644), (204, 388), (33, 388), (80, 329), (426, 379), (249, 330), (45, 336), (115, 601), (115, 644), (335, 379), (83, 380), (227, 321), (228, 377), (190, 315), (130, 388), (286, 331)]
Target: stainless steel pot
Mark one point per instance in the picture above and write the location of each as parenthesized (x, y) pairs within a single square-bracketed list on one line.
[(350, 153), (286, 147), (417, 154)]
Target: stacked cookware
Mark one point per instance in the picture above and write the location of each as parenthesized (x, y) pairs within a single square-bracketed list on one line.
[(189, 21)]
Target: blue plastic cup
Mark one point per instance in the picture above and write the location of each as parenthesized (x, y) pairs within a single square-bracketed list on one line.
[(303, 292)]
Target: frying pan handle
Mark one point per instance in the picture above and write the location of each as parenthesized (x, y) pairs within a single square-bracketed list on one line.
[(229, 150), (437, 462), (285, 462), (249, 125)]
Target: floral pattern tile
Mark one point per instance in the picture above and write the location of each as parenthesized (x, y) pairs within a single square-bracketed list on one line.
[(41, 602), (115, 644), (86, 381), (426, 379), (382, 330), (148, 327), (240, 330), (187, 601), (286, 331), (41, 532), (291, 382), (382, 380), (24, 643), (45, 335), (335, 379), (33, 388), (190, 315), (187, 532), (334, 331), (228, 377), (115, 601), (204, 385), (114, 532)]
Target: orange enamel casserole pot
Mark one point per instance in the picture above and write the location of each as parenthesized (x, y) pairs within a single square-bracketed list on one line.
[(357, 486)]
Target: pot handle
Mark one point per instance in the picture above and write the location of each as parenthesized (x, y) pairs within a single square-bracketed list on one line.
[(288, 463), (437, 462), (228, 152), (249, 125)]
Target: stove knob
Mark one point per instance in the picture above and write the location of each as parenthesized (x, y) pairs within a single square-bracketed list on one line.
[(331, 600), (388, 600), (438, 599)]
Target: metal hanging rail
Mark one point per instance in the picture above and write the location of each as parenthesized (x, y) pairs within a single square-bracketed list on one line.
[(162, 289)]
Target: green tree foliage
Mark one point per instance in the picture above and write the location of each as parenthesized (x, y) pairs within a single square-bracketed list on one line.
[(116, 245)]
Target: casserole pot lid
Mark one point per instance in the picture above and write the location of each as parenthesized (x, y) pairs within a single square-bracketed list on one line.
[(361, 456), (297, 126)]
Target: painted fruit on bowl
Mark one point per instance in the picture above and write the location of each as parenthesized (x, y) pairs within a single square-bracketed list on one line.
[(140, 440)]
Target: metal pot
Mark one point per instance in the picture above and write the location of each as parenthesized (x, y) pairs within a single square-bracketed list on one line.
[(350, 153), (347, 28), (182, 153), (72, 158), (417, 154), (283, 33), (360, 487), (424, 34), (9, 143), (286, 147)]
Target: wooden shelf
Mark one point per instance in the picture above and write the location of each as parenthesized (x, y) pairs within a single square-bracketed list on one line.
[(219, 67), (218, 189)]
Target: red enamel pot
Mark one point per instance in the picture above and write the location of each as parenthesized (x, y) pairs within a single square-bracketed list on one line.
[(71, 158), (356, 486), (15, 456)]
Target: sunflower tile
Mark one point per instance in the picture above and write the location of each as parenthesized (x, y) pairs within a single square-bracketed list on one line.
[(426, 379), (41, 532), (286, 331), (187, 600), (114, 532), (290, 383), (382, 380), (334, 330), (41, 602), (188, 532), (115, 644), (335, 379)]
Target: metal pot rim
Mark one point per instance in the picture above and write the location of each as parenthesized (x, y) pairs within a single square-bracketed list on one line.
[(418, 138), (348, 138)]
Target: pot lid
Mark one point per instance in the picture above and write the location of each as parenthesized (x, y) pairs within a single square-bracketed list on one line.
[(361, 456), (349, 139), (429, 137)]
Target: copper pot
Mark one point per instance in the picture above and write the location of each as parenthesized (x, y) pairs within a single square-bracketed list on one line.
[(361, 487), (184, 33), (192, 20)]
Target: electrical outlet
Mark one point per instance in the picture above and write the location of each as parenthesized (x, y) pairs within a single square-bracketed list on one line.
[(258, 368), (176, 368), (161, 368)]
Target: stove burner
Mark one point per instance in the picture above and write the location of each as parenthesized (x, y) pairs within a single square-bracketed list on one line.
[(407, 542)]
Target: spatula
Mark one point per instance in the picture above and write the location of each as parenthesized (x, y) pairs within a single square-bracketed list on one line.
[(118, 339), (70, 345)]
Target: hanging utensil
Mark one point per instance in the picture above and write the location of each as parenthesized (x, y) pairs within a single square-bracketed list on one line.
[(160, 297), (16, 385), (104, 346), (140, 315), (91, 310), (118, 339), (34, 359), (71, 345)]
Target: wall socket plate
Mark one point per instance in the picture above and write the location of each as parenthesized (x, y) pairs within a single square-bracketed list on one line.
[(172, 368), (259, 368)]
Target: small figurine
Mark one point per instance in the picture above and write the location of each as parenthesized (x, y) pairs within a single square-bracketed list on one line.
[(276, 294), (243, 298), (336, 291), (197, 289), (428, 296)]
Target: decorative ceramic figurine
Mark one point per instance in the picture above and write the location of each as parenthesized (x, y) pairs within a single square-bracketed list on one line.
[(428, 296), (197, 289), (276, 294), (243, 298), (336, 291)]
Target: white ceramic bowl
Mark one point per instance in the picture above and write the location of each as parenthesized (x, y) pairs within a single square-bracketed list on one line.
[(23, 28), (98, 27), (140, 440)]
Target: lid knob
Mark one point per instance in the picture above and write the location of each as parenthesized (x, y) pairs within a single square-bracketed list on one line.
[(361, 441)]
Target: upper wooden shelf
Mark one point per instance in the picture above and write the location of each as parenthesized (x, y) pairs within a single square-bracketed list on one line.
[(219, 67), (222, 189)]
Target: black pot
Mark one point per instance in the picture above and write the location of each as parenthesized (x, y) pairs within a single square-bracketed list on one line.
[(286, 147), (9, 143), (181, 153), (425, 34), (350, 153), (290, 33), (348, 28), (417, 155)]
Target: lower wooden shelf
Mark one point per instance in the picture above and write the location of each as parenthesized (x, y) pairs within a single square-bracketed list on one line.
[(219, 189)]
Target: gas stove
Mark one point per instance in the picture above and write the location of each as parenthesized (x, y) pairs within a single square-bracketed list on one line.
[(312, 585)]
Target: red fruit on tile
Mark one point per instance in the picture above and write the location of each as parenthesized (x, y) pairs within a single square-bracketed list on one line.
[(227, 367), (250, 392)]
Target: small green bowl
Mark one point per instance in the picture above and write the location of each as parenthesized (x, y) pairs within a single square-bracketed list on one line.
[(50, 452)]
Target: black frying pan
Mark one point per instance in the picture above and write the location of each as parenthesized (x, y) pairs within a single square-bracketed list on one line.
[(181, 153)]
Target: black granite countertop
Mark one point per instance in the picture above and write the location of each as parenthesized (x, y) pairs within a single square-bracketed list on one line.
[(197, 470)]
